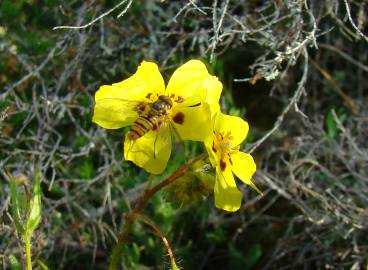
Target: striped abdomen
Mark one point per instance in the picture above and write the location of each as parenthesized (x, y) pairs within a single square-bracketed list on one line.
[(152, 120), (142, 125)]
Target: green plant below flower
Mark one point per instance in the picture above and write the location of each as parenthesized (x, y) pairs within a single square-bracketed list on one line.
[(26, 213)]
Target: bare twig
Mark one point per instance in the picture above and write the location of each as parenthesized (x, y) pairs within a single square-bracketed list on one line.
[(293, 102), (352, 22), (99, 17), (345, 56)]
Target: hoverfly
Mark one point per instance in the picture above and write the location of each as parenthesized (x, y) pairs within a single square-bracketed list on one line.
[(152, 115)]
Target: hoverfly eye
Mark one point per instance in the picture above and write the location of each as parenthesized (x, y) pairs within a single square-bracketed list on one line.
[(156, 106)]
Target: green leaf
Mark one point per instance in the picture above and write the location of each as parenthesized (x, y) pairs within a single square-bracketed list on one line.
[(131, 256), (14, 263), (35, 206), (87, 171), (15, 206), (42, 265), (217, 235), (239, 260), (331, 125), (253, 254)]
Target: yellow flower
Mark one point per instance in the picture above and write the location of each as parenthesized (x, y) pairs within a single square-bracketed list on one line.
[(156, 114), (223, 149)]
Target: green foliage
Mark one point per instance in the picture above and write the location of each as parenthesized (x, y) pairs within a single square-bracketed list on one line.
[(87, 170), (26, 210), (11, 10), (42, 265), (244, 261), (196, 184), (332, 125), (132, 255), (18, 206), (35, 214), (26, 213), (216, 235), (14, 263)]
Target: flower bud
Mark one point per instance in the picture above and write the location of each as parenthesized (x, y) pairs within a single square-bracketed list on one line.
[(195, 184)]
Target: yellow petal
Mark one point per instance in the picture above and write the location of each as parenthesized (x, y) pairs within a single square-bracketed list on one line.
[(112, 109), (227, 195), (187, 80), (213, 92), (115, 104), (244, 167), (191, 123), (237, 126), (147, 79), (150, 152), (208, 142)]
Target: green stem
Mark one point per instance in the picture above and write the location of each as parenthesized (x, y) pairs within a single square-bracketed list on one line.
[(27, 249), (118, 249), (116, 253)]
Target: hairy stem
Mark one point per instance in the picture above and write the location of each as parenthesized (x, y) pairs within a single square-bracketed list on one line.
[(157, 230), (27, 249), (130, 217)]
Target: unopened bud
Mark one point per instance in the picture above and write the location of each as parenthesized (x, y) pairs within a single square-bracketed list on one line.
[(195, 184)]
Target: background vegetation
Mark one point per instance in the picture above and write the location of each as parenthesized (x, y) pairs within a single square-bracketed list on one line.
[(295, 69)]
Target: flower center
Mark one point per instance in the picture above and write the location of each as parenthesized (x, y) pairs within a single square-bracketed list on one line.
[(223, 147), (155, 106), (155, 97), (160, 106), (157, 110)]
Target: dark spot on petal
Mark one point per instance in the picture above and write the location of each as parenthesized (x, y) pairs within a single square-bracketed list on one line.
[(213, 147), (222, 165), (149, 95), (231, 162), (172, 95), (179, 118)]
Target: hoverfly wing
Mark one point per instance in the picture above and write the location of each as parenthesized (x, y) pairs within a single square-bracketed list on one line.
[(164, 138), (174, 134), (151, 151), (115, 112)]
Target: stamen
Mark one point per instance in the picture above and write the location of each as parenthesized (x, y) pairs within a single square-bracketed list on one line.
[(222, 165), (179, 99), (222, 146)]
